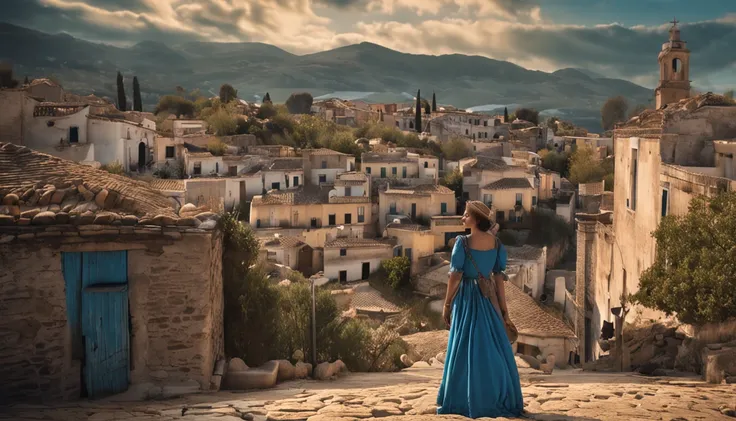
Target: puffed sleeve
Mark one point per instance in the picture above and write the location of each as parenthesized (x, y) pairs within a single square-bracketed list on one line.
[(500, 265), (457, 260)]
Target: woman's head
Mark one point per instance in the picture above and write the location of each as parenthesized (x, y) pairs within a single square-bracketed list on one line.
[(477, 215)]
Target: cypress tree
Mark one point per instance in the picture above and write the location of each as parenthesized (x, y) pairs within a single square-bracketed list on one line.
[(267, 98), (418, 113), (122, 101), (505, 115), (26, 81), (434, 103), (137, 103)]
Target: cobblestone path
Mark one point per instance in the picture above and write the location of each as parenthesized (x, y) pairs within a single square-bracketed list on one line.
[(410, 396)]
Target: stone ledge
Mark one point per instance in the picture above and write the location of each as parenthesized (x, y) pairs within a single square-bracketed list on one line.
[(70, 234)]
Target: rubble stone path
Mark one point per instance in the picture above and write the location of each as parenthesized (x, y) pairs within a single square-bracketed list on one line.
[(410, 396)]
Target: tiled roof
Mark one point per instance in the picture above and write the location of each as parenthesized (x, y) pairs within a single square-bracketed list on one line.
[(300, 196), (322, 152), (421, 190), (284, 242), (356, 243), (366, 298), (352, 176), (31, 174), (489, 163), (201, 155), (525, 252), (281, 164), (509, 183), (378, 157), (530, 318), (168, 184), (566, 185), (408, 227), (654, 119)]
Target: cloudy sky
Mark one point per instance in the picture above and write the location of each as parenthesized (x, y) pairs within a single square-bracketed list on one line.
[(616, 38)]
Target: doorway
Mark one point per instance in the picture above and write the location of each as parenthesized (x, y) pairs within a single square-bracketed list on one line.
[(366, 271), (343, 276), (141, 156), (413, 211), (74, 134), (96, 286)]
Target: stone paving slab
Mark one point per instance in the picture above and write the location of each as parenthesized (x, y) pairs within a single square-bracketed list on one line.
[(410, 396)]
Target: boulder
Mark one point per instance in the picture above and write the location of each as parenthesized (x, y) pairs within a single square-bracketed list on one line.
[(236, 364), (420, 364), (262, 377), (208, 225), (12, 210), (163, 220), (298, 355), (101, 197), (45, 198), (719, 365), (85, 206), (548, 366), (188, 221), (441, 357), (130, 220), (188, 210), (286, 371), (533, 362), (206, 216), (326, 371), (44, 218), (58, 197), (11, 199), (302, 370), (406, 360), (30, 213), (62, 218)]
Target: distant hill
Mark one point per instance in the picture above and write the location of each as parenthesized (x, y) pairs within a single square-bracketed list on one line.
[(368, 70)]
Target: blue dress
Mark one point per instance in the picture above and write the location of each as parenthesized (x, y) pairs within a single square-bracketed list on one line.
[(480, 378)]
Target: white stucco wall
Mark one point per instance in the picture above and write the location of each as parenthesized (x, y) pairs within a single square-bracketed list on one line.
[(330, 173), (38, 133)]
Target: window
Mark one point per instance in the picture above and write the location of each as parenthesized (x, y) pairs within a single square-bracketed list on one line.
[(343, 252), (275, 186), (232, 170), (512, 216), (322, 178), (367, 170), (197, 168), (518, 199), (631, 201), (392, 208), (665, 201), (170, 152), (426, 164), (258, 223), (485, 123), (488, 199), (407, 253), (314, 223), (331, 219), (403, 172), (383, 172), (466, 131), (217, 167), (554, 184), (324, 164), (296, 181), (348, 191), (361, 214), (534, 200), (348, 218), (443, 208), (394, 171)]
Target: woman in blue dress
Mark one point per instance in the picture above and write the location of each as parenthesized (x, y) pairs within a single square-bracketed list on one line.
[(480, 378)]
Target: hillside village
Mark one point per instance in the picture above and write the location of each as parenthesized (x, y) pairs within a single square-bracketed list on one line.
[(362, 200)]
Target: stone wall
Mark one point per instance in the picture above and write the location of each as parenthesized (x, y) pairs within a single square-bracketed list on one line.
[(11, 117), (175, 299)]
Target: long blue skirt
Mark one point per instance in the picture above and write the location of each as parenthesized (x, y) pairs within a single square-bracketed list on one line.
[(480, 377)]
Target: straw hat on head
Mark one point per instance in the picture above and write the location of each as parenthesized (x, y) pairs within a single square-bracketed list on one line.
[(479, 208)]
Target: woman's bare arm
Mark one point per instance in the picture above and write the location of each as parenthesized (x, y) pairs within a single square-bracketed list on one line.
[(453, 284)]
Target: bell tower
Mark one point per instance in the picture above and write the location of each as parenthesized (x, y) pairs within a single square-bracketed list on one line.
[(674, 70)]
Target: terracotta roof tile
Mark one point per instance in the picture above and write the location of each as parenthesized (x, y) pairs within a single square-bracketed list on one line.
[(303, 195), (22, 169), (356, 243), (530, 318), (525, 252), (281, 164), (408, 227), (366, 298), (509, 184), (168, 184), (283, 242), (421, 190), (489, 163), (323, 151)]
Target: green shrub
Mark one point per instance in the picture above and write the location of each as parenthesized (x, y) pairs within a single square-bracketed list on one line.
[(222, 123), (171, 171), (114, 168), (217, 148), (398, 271), (548, 228), (174, 104)]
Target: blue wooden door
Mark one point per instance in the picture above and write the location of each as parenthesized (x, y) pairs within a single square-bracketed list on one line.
[(104, 320)]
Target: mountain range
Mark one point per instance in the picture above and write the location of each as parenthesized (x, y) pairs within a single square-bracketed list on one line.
[(364, 70)]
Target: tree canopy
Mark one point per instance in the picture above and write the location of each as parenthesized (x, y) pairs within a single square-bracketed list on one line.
[(528, 114), (174, 104), (300, 103), (613, 111), (455, 149), (137, 102), (418, 113), (122, 101), (585, 167), (227, 93), (694, 271)]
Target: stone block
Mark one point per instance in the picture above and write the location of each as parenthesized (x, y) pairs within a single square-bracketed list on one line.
[(173, 390), (7, 220), (11, 199), (262, 377), (302, 370), (100, 198), (44, 218), (719, 365), (30, 213), (45, 198), (287, 371), (533, 362)]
